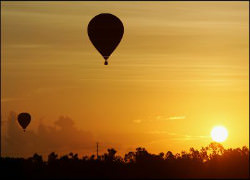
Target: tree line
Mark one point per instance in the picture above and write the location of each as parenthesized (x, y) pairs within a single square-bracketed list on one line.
[(212, 161)]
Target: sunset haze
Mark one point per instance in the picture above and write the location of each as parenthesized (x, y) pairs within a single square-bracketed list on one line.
[(180, 69)]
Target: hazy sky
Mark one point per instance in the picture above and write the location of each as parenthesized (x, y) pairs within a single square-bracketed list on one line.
[(181, 69)]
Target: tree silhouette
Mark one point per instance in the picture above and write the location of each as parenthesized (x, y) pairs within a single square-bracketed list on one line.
[(212, 161)]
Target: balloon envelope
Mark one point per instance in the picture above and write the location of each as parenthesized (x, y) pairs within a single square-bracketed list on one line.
[(105, 32), (24, 120)]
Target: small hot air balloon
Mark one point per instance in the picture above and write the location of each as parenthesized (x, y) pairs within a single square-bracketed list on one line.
[(105, 32), (24, 120)]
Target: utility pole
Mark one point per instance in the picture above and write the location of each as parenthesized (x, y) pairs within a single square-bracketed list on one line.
[(97, 157)]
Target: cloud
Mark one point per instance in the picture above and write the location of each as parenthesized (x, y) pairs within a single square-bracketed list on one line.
[(6, 99), (189, 137), (27, 46), (179, 137), (164, 118), (137, 121), (44, 90), (159, 118), (61, 138), (177, 117), (162, 132)]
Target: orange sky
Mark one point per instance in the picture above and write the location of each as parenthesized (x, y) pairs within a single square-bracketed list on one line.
[(180, 69)]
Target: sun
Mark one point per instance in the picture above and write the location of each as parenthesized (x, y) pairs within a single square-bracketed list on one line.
[(219, 133)]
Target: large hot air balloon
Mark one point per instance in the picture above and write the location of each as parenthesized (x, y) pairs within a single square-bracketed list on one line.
[(105, 32), (24, 120)]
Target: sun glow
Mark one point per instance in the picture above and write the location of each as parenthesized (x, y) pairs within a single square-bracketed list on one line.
[(219, 133)]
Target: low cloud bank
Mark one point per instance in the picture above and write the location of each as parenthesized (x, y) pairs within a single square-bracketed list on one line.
[(64, 137)]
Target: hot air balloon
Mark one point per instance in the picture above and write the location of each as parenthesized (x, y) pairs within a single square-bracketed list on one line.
[(24, 120), (105, 32)]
